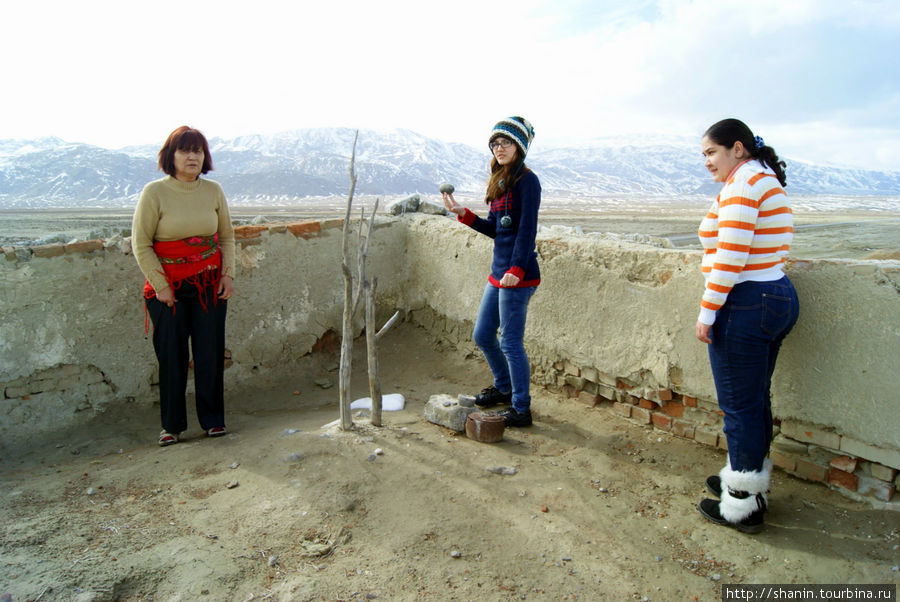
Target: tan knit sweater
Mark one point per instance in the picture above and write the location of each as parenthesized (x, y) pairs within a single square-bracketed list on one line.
[(170, 209)]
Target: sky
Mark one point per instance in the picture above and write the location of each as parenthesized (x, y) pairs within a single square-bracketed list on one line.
[(819, 80)]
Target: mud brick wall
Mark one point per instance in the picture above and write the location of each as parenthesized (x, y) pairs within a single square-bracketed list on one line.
[(612, 325), (72, 317)]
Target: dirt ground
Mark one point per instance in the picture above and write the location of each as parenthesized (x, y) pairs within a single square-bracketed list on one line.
[(284, 508)]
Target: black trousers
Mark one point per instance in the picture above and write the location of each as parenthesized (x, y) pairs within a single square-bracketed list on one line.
[(206, 330)]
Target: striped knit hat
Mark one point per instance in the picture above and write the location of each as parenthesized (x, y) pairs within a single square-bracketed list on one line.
[(517, 129)]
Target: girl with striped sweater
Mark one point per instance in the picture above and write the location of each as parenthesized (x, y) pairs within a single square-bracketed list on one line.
[(747, 309)]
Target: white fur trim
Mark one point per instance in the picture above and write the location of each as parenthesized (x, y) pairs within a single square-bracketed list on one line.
[(751, 481), (735, 510)]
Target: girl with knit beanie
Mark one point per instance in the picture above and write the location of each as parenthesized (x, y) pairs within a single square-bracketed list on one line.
[(748, 308), (513, 197)]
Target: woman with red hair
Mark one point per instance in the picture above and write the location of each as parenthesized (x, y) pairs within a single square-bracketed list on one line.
[(183, 241)]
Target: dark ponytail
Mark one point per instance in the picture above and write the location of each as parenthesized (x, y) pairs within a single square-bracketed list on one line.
[(729, 131)]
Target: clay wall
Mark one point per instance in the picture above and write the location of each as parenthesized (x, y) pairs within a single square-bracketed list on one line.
[(612, 323)]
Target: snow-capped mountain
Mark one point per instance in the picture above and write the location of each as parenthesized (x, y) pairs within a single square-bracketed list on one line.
[(287, 167)]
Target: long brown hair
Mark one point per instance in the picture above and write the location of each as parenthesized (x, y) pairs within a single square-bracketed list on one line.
[(503, 177)]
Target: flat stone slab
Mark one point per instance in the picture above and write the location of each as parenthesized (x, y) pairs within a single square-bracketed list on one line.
[(445, 410)]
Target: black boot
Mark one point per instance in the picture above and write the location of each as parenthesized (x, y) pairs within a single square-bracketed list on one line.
[(753, 523), (491, 397), (744, 498), (513, 418)]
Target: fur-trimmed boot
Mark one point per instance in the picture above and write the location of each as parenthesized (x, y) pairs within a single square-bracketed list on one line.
[(744, 499)]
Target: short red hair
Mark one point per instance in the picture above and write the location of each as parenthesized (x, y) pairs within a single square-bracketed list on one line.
[(184, 138)]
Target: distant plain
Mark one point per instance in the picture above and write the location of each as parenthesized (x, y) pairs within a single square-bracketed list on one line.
[(825, 227)]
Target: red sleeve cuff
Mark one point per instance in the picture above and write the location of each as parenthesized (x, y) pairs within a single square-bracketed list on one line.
[(468, 218), (517, 272)]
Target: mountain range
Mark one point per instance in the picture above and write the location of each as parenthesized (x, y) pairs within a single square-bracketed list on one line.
[(285, 168)]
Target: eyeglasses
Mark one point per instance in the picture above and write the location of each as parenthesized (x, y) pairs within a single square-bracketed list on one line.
[(500, 143)]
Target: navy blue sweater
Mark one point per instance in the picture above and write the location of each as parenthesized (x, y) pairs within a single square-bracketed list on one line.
[(514, 250)]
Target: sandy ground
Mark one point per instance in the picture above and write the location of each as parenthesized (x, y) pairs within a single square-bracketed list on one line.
[(284, 509)]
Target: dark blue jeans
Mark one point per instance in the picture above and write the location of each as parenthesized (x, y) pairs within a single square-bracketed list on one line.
[(505, 309), (746, 337)]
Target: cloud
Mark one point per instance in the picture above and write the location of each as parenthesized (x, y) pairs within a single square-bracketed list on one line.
[(576, 68)]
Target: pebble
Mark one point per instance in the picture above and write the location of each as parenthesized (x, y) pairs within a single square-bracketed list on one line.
[(295, 457), (231, 484), (716, 577), (91, 491), (379, 451), (371, 457), (446, 187), (456, 554), (273, 560), (287, 432), (505, 470), (234, 465), (466, 401)]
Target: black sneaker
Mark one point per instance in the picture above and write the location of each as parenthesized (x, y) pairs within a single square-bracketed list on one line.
[(491, 397), (514, 418), (714, 485), (752, 524)]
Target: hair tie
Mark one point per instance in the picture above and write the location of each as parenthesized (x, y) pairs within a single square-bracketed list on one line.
[(758, 143)]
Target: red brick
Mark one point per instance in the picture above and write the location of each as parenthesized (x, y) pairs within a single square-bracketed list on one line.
[(622, 408), (336, 222), (875, 488), (572, 369), (640, 414), (48, 250), (664, 395), (843, 479), (808, 434), (84, 246), (683, 428), (673, 409), (570, 391), (661, 421), (689, 401), (589, 399), (811, 471), (244, 232), (706, 436), (782, 460), (844, 463), (620, 384), (646, 404), (884, 473), (305, 228)]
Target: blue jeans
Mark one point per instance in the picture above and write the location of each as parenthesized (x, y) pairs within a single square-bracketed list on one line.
[(505, 309), (746, 337)]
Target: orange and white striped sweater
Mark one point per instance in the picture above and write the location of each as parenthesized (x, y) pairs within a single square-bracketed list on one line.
[(745, 236)]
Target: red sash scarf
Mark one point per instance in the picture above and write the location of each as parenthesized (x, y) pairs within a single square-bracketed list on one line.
[(195, 260)]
